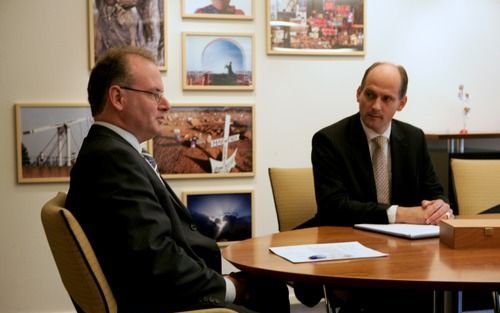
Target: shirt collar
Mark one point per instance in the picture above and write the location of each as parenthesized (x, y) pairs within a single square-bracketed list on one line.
[(370, 134), (131, 139)]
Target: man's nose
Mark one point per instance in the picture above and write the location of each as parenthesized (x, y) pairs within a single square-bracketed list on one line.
[(164, 103), (377, 104)]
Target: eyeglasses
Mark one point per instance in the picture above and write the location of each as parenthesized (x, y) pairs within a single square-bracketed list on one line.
[(156, 95)]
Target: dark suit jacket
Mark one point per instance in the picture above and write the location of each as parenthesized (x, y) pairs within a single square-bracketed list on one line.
[(145, 240), (343, 176)]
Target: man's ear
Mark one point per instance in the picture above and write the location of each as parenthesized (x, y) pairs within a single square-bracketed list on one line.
[(358, 93), (402, 103), (115, 95)]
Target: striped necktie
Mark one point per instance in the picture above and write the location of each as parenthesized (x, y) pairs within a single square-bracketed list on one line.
[(380, 170)]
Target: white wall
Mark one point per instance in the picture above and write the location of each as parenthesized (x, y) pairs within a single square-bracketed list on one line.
[(44, 57)]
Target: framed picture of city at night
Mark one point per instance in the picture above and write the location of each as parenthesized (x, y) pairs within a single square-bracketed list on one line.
[(225, 216), (316, 27), (218, 61)]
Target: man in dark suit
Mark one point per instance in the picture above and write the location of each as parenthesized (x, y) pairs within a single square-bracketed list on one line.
[(150, 250), (346, 186), (344, 180)]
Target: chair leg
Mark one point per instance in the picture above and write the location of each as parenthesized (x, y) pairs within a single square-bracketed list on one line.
[(328, 303), (496, 302)]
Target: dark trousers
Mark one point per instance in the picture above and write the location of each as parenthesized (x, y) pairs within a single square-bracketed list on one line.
[(265, 295)]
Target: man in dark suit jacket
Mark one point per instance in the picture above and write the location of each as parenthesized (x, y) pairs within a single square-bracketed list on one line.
[(345, 183), (341, 156), (150, 250)]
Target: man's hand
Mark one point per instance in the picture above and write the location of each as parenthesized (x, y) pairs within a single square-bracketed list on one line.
[(436, 210), (431, 212)]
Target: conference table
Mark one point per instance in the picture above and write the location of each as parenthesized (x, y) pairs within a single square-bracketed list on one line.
[(412, 264)]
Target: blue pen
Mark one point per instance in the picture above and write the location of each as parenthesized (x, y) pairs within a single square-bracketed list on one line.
[(317, 257)]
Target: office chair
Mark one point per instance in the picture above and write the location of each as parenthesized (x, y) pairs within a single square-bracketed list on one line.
[(293, 193), (476, 183), (76, 261), (295, 203)]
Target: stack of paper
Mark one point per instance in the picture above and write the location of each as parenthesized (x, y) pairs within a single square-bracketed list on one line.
[(325, 252), (411, 231)]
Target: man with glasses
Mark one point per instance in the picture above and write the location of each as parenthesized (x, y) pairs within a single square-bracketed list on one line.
[(151, 252)]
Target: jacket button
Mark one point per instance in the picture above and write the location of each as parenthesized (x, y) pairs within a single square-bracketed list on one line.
[(193, 227)]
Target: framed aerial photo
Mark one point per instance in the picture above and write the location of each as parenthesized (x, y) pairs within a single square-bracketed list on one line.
[(116, 23), (218, 9), (316, 27), (218, 61), (206, 141), (225, 216), (48, 139)]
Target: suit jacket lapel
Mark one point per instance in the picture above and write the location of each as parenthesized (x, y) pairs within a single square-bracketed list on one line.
[(361, 156), (179, 206), (399, 153)]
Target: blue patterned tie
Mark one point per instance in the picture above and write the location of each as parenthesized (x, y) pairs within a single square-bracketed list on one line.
[(150, 160)]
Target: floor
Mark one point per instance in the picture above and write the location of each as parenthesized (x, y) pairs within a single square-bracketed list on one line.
[(297, 307)]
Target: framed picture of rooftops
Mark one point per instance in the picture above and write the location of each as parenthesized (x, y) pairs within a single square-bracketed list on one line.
[(316, 27)]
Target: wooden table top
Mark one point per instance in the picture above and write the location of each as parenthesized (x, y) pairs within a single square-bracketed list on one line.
[(442, 136), (422, 263)]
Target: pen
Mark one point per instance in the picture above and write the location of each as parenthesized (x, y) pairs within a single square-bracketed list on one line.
[(317, 257)]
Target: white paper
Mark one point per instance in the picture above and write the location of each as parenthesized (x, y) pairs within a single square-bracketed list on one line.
[(325, 252), (413, 231)]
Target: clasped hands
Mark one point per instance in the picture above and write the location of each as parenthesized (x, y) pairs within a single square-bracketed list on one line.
[(430, 212)]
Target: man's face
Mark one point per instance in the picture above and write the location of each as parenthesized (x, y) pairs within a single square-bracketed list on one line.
[(220, 4), (143, 115), (379, 99)]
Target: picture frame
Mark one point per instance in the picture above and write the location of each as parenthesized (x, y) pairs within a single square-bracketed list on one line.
[(205, 9), (226, 215), (312, 27), (48, 139), (218, 61), (125, 23), (206, 141)]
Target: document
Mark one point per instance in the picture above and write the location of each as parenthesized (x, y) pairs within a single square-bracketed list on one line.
[(411, 231), (325, 252)]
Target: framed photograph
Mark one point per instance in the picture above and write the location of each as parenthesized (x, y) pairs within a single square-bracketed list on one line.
[(218, 9), (316, 27), (48, 139), (218, 61), (206, 140), (225, 216), (116, 23)]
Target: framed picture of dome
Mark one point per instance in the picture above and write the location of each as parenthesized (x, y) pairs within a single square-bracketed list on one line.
[(225, 216), (218, 9), (218, 61)]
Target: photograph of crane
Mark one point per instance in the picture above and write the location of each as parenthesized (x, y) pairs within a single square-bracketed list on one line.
[(49, 137)]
